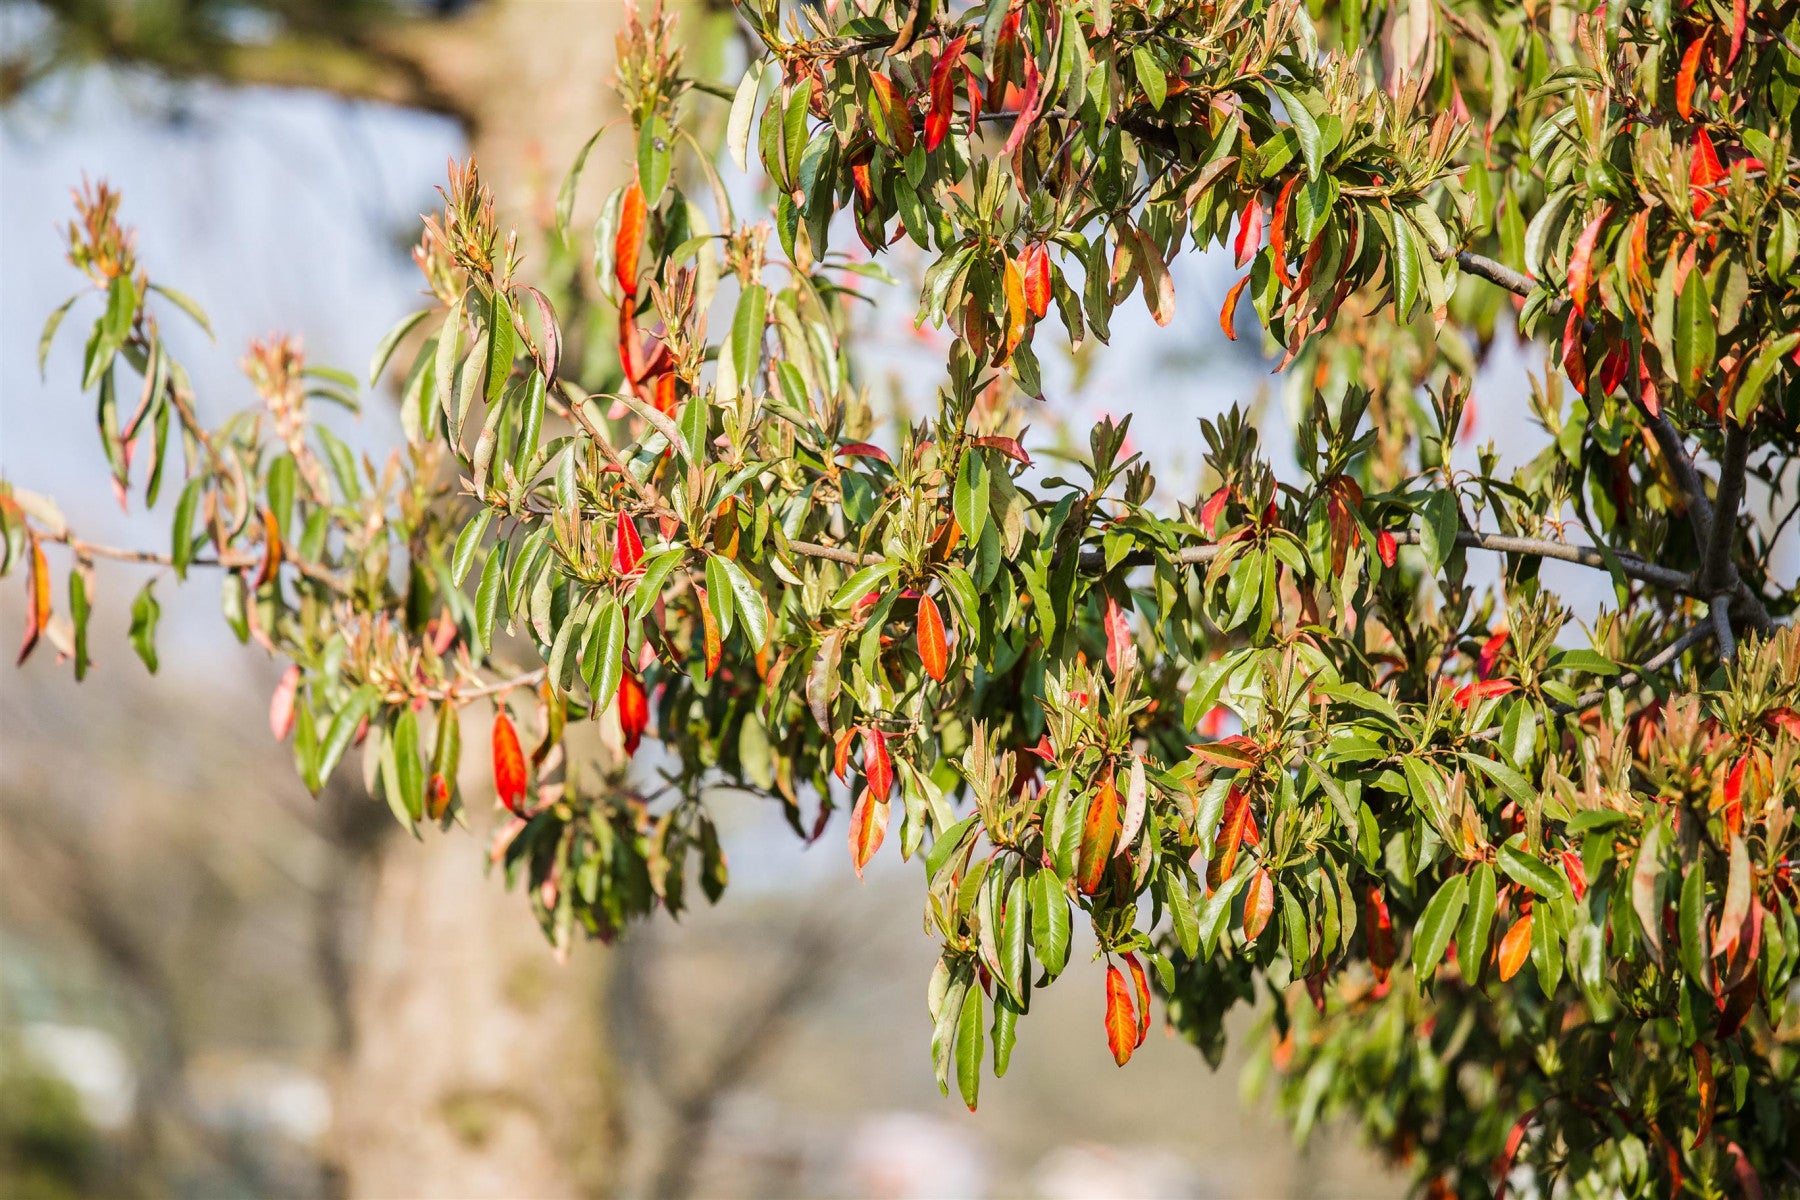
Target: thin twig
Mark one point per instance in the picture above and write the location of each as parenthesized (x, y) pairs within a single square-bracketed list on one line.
[(1516, 282)]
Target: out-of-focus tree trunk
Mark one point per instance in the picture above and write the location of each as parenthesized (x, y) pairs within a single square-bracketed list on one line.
[(479, 1065)]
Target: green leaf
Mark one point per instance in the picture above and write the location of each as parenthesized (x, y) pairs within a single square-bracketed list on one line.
[(51, 325), (487, 600), (747, 333), (467, 543), (500, 345), (565, 195), (1477, 922), (1438, 535), (186, 304), (603, 652), (1432, 937), (751, 609), (343, 727), (145, 612), (1005, 1031), (1762, 367), (719, 594), (1533, 873), (1150, 76), (969, 1048), (79, 608), (1306, 128), (1015, 925), (1509, 780), (649, 584), (1695, 337), (654, 155), (970, 499), (1050, 922), (408, 769), (863, 582), (181, 534), (1694, 948)]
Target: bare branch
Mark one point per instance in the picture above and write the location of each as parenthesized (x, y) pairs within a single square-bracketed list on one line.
[(1479, 265)]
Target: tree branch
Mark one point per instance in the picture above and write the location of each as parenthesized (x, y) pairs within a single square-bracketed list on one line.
[(1656, 662), (1483, 267)]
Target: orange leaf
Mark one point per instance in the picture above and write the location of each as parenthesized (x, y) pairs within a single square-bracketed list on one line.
[(1514, 947), (1121, 1022), (1685, 78), (1574, 354), (281, 704), (934, 653), (711, 642), (1249, 236), (271, 560), (1581, 261), (1118, 635), (634, 710), (1232, 826), (37, 598), (1015, 307), (842, 762), (1734, 795), (1140, 986), (625, 241), (868, 825), (509, 763), (628, 548), (1037, 279), (1236, 751), (878, 766), (1259, 904), (1228, 314), (1278, 232), (1098, 833), (1707, 1088)]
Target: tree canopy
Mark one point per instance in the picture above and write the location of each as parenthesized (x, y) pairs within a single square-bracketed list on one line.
[(1519, 891)]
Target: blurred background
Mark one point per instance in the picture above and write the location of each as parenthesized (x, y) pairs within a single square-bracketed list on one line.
[(214, 985)]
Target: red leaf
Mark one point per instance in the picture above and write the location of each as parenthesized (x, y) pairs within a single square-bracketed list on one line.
[(1514, 947), (864, 450), (1576, 870), (1613, 369), (1685, 78), (509, 763), (1005, 445), (1140, 986), (37, 598), (1515, 1138), (1786, 720), (943, 94), (1213, 509), (1278, 232), (628, 548), (1228, 313), (1387, 548), (1380, 926), (1098, 833), (1121, 1022), (281, 704), (934, 652), (1037, 279), (1472, 693), (1581, 261), (1259, 904), (1574, 353), (1705, 172), (878, 767), (625, 241), (634, 710), (1739, 19), (1249, 235), (868, 825), (1118, 635), (1749, 1182), (437, 796)]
